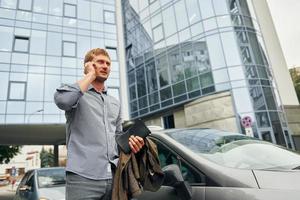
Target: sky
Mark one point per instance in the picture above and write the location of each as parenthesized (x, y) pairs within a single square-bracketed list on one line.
[(286, 18)]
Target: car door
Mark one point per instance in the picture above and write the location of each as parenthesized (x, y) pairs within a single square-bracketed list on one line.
[(191, 175), (29, 193)]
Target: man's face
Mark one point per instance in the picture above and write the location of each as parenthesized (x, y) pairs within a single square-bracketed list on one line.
[(102, 68)]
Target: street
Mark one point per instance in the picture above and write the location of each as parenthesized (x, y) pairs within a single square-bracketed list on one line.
[(6, 193)]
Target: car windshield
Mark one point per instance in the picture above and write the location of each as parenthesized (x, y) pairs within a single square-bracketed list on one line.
[(236, 150), (51, 177)]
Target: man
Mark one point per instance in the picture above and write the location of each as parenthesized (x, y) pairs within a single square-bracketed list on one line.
[(93, 119)]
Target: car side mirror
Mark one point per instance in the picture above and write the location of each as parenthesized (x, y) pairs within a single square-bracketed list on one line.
[(174, 178), (25, 188)]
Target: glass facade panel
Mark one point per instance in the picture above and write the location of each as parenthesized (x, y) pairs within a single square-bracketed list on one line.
[(158, 33), (109, 17), (6, 38), (215, 51), (55, 7), (21, 44), (38, 42), (206, 8), (25, 4), (220, 7), (42, 44), (17, 90), (70, 10), (9, 3), (193, 11), (196, 48), (40, 6), (69, 49), (232, 55), (181, 15)]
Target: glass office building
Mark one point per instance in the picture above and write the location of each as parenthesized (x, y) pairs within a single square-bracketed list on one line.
[(42, 45), (181, 50)]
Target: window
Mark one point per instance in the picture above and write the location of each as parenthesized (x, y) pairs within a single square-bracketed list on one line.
[(167, 157), (158, 33), (17, 90), (25, 5), (21, 44), (69, 49), (112, 53), (109, 17), (169, 121), (70, 10)]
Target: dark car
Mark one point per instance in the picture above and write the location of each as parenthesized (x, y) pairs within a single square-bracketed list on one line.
[(42, 184), (217, 165)]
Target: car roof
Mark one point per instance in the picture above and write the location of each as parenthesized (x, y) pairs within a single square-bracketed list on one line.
[(199, 132), (49, 168)]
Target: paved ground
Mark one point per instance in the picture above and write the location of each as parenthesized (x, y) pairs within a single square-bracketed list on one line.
[(6, 193)]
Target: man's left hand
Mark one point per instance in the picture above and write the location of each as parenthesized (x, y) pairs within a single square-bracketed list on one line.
[(136, 143)]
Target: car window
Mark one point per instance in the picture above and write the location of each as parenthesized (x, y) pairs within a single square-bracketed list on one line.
[(51, 177), (167, 157), (30, 183), (25, 178)]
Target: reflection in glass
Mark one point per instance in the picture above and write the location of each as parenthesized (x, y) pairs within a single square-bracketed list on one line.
[(266, 136), (143, 102), (278, 132), (151, 76), (269, 98), (141, 84), (262, 119), (256, 94), (165, 94), (206, 80), (179, 88), (153, 98), (193, 11)]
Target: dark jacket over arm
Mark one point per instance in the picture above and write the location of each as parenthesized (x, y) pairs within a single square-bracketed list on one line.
[(137, 171)]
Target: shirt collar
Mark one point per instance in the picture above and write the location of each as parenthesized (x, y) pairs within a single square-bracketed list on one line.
[(91, 87)]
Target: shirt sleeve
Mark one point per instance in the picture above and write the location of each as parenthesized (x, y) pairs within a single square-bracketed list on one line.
[(119, 128), (67, 96)]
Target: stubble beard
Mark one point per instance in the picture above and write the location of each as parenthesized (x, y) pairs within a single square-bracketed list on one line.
[(100, 79)]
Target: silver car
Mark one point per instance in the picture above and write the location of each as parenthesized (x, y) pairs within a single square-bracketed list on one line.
[(42, 184), (217, 165)]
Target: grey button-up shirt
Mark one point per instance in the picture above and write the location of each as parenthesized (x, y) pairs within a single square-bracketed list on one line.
[(93, 119)]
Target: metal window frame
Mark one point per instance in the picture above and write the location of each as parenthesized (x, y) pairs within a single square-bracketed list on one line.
[(113, 48), (63, 49), (64, 10), (21, 38), (9, 90)]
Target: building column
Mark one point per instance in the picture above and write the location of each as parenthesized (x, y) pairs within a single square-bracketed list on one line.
[(56, 164)]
